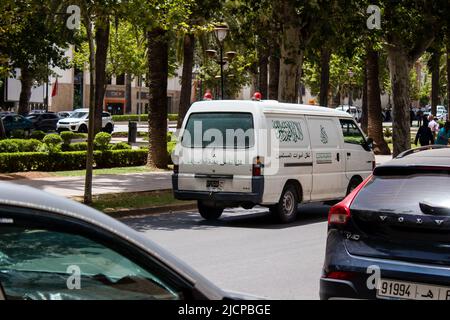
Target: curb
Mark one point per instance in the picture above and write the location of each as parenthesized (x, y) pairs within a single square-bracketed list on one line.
[(127, 213)]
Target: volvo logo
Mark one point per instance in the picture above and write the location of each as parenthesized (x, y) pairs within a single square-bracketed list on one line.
[(401, 219)]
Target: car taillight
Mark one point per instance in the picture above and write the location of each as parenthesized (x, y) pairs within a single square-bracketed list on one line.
[(176, 168), (257, 167), (340, 214), (340, 275)]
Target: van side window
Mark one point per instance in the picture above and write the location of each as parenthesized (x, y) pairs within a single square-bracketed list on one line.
[(352, 133)]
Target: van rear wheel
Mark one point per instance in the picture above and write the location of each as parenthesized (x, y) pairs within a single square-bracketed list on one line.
[(354, 183), (208, 212), (286, 210)]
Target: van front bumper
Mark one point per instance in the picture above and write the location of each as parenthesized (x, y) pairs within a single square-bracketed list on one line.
[(254, 197)]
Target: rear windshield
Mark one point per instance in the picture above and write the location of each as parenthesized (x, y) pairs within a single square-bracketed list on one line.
[(219, 130), (404, 194)]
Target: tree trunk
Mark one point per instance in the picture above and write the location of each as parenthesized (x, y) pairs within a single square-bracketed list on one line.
[(25, 93), (435, 87), (90, 140), (102, 42), (325, 55), (365, 107), (158, 52), (263, 74), (375, 117), (291, 56), (274, 77), (128, 80), (399, 68), (186, 79), (448, 73)]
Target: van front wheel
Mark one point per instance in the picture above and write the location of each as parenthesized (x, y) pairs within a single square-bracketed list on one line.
[(286, 210), (209, 213)]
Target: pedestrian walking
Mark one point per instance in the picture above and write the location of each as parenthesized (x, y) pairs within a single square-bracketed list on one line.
[(420, 117), (424, 135), (444, 135), (434, 126)]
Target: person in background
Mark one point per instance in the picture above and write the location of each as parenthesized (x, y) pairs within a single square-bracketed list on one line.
[(412, 116), (434, 126), (424, 135), (443, 138)]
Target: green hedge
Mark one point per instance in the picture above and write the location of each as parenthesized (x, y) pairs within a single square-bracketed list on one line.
[(65, 161), (135, 117), (19, 145)]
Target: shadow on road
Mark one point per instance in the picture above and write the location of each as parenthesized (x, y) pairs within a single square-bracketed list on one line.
[(258, 218)]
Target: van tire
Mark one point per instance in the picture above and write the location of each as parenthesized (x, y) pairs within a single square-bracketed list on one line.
[(209, 213), (354, 183), (286, 209)]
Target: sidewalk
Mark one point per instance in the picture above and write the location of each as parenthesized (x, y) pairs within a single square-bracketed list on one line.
[(103, 184)]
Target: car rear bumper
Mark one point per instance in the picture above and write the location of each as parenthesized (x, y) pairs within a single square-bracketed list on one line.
[(254, 197), (338, 258)]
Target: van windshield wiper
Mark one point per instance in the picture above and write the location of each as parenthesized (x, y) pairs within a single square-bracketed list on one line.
[(431, 209)]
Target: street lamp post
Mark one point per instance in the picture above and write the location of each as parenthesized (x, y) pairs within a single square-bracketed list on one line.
[(221, 32)]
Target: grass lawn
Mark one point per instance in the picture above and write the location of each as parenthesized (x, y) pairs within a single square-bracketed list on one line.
[(139, 200), (126, 170)]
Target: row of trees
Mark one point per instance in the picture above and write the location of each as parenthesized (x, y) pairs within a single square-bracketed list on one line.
[(281, 46)]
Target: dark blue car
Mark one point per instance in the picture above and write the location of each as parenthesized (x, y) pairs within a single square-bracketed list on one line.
[(390, 238)]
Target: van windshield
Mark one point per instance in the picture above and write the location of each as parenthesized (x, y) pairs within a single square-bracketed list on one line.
[(219, 130)]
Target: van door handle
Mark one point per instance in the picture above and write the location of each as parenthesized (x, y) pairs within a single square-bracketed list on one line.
[(338, 157), (349, 154)]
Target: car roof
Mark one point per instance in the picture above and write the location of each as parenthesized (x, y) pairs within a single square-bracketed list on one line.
[(432, 158), (266, 106), (27, 197)]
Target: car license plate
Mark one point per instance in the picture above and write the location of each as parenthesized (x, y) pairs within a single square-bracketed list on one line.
[(412, 291), (215, 184)]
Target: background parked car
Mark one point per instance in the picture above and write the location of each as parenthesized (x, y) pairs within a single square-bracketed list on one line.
[(45, 239), (16, 122), (353, 110), (45, 121), (64, 114), (78, 122), (397, 224)]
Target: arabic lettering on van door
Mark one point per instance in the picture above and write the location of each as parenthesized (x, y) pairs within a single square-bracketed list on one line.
[(323, 135), (288, 131)]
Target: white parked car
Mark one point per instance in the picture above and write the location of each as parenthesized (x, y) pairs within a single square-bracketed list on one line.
[(354, 111), (441, 113), (275, 154), (78, 122)]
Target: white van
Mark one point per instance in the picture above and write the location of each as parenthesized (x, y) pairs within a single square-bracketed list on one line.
[(275, 155)]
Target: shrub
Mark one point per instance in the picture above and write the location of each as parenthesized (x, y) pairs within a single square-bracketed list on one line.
[(80, 146), (18, 134), (121, 158), (121, 146), (27, 145), (62, 161), (38, 135), (52, 142), (8, 146), (102, 140), (19, 145)]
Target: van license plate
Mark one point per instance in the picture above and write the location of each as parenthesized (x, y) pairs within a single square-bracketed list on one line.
[(412, 291), (214, 184)]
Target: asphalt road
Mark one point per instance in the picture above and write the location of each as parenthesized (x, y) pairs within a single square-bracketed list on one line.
[(246, 251)]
